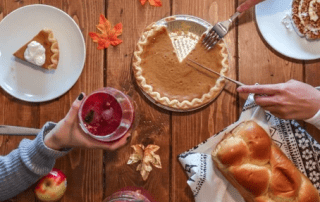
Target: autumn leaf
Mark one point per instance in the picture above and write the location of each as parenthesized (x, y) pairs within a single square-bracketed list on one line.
[(137, 155), (156, 3), (147, 157), (143, 1), (108, 36)]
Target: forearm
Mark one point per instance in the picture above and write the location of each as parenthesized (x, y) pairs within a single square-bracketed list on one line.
[(26, 164)]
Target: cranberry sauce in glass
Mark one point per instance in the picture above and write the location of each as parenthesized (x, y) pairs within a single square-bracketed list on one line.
[(106, 114)]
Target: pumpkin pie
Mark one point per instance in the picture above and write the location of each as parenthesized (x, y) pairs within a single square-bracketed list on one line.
[(174, 83), (306, 18), (47, 43)]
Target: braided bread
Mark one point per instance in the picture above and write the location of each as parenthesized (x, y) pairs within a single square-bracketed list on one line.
[(258, 169)]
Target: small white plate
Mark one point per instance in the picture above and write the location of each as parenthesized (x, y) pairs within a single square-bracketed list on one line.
[(26, 81), (269, 16)]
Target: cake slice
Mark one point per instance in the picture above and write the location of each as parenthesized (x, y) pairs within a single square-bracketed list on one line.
[(42, 50), (306, 18)]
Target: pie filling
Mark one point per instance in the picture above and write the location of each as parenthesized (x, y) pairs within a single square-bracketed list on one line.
[(177, 84)]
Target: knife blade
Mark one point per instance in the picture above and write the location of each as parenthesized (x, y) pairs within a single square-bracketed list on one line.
[(18, 130), (232, 80)]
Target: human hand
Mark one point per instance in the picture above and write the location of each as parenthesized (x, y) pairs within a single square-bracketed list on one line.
[(68, 133), (247, 4), (290, 100)]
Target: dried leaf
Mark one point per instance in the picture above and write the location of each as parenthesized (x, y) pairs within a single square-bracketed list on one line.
[(137, 155), (151, 148), (153, 158), (94, 36), (117, 30), (108, 36), (143, 1), (147, 156), (145, 174), (156, 161), (156, 3), (139, 167)]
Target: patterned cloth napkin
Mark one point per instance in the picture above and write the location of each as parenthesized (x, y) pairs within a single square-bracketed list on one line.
[(208, 184)]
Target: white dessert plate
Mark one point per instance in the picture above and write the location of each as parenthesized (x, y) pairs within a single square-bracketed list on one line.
[(26, 81), (269, 17)]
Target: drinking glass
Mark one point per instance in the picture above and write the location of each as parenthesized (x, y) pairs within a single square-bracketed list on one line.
[(107, 114)]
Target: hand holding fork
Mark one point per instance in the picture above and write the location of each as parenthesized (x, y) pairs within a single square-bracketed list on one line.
[(219, 30)]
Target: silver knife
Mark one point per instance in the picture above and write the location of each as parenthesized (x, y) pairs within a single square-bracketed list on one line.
[(234, 81), (17, 130)]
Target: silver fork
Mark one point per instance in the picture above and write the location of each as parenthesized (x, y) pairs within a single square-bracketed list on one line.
[(218, 31)]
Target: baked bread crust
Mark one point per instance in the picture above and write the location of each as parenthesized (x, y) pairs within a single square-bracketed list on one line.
[(46, 38), (164, 98), (261, 173), (306, 18)]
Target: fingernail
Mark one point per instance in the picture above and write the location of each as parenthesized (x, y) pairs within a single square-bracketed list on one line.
[(80, 97)]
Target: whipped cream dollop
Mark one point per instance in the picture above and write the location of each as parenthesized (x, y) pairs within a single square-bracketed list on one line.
[(35, 53)]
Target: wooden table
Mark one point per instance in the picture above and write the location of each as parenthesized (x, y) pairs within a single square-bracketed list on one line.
[(95, 174)]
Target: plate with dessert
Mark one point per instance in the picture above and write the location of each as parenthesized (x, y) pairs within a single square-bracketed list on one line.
[(161, 70), (42, 53), (292, 27)]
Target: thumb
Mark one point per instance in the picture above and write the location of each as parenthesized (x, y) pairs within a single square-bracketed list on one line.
[(247, 4), (73, 111)]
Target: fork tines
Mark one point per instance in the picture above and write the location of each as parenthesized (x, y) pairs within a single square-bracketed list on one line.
[(211, 39), (218, 31)]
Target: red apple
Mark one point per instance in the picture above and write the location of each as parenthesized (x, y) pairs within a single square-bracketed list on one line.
[(52, 186)]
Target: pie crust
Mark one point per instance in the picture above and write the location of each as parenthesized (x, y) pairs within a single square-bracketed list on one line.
[(306, 18), (46, 39), (172, 83)]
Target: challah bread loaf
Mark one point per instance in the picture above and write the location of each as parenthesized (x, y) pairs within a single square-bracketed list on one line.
[(258, 169)]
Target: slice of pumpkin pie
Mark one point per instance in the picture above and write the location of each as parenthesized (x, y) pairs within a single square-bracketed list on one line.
[(174, 83), (42, 50)]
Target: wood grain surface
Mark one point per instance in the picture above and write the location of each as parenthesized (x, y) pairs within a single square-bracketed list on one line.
[(190, 129), (95, 174)]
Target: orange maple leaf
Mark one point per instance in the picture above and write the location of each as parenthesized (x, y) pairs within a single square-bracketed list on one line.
[(156, 3), (108, 36)]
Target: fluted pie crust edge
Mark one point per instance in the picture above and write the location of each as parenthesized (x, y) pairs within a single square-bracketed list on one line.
[(149, 32), (54, 50)]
